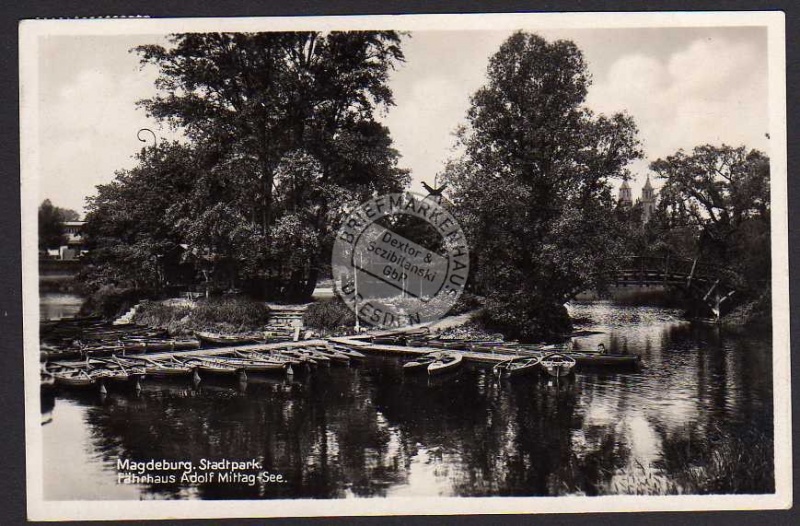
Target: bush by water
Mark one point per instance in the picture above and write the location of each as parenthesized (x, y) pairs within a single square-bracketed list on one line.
[(224, 315), (329, 315)]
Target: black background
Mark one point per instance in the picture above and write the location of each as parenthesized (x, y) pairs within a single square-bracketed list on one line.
[(12, 438)]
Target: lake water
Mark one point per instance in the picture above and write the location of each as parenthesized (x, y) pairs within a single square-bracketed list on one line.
[(58, 305), (368, 430)]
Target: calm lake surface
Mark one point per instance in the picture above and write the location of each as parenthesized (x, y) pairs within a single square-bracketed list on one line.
[(58, 305), (368, 430)]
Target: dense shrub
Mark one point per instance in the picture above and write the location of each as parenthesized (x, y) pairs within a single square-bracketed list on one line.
[(466, 303), (329, 315), (225, 315), (524, 318)]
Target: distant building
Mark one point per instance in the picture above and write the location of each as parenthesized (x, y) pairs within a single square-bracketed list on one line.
[(647, 201), (75, 242), (625, 194)]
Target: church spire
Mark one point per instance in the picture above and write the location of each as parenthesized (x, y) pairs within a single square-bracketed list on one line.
[(648, 200), (625, 198)]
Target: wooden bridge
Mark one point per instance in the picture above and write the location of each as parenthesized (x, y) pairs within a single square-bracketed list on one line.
[(711, 284)]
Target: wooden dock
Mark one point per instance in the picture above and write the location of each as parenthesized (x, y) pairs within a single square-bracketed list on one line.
[(354, 341), (216, 351)]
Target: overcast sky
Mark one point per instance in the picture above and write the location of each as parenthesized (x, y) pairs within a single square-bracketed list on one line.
[(684, 87)]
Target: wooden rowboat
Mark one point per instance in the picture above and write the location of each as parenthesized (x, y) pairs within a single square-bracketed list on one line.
[(517, 366), (251, 366), (225, 339), (333, 355), (313, 354), (115, 372), (350, 353), (458, 345), (446, 362), (269, 357), (167, 368), (590, 359), (212, 367), (297, 354), (557, 364), (49, 354), (74, 379), (390, 340), (159, 345), (421, 363), (290, 365)]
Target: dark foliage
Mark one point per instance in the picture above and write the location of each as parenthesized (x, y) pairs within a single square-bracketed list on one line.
[(329, 315), (282, 137), (532, 189), (51, 224)]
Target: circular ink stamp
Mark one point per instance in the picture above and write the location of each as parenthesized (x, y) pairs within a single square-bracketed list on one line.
[(400, 259)]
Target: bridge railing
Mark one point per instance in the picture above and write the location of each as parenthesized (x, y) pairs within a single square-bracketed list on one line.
[(674, 268)]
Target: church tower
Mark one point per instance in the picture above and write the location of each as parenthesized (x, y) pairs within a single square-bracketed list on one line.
[(648, 201), (625, 199)]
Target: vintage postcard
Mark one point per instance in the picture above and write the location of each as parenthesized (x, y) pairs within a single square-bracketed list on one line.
[(396, 265)]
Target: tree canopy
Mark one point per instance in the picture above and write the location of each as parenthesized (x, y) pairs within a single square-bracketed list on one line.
[(259, 96), (719, 197), (281, 132), (532, 187)]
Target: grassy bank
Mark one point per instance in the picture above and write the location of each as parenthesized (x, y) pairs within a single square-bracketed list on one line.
[(757, 312), (228, 315)]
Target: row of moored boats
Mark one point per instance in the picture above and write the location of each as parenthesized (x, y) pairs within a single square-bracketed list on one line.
[(85, 354), (122, 341), (439, 362), (598, 357), (128, 371)]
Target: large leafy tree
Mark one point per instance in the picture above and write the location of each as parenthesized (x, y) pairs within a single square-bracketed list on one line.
[(532, 187), (284, 127), (720, 194)]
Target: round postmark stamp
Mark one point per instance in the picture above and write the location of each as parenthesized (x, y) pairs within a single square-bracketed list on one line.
[(400, 259)]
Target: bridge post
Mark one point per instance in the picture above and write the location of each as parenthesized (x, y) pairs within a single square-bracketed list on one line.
[(641, 271), (714, 286), (719, 300), (691, 273)]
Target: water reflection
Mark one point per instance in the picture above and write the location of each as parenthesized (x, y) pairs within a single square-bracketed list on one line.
[(371, 431)]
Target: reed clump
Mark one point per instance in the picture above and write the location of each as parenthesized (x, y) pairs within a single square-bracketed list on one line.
[(729, 464)]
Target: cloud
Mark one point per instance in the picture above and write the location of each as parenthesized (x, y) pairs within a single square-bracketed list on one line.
[(88, 131), (709, 91), (432, 91), (682, 92), (422, 126)]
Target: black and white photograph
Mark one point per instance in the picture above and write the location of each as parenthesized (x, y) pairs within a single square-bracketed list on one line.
[(394, 265)]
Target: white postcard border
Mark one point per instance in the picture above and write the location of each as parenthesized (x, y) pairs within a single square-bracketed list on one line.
[(41, 509)]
